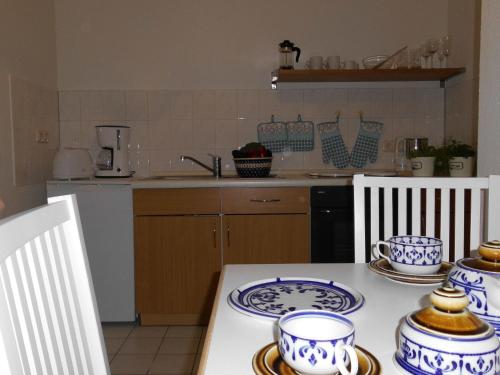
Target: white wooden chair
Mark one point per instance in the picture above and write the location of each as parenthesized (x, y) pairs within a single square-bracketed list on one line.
[(420, 215), (49, 322)]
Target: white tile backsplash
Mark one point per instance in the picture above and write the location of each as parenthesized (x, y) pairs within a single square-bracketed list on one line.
[(166, 123), (136, 106)]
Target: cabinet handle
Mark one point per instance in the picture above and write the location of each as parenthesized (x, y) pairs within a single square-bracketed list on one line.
[(326, 211), (214, 231), (273, 200), (228, 236)]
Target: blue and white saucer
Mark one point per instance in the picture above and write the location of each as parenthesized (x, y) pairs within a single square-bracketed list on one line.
[(271, 298)]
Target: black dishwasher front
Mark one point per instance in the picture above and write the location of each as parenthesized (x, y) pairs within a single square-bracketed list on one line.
[(332, 224)]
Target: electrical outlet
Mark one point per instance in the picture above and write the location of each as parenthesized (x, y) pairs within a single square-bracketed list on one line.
[(388, 146), (42, 136)]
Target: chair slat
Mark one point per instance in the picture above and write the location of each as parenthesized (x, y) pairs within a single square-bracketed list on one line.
[(388, 221), (402, 225), (375, 217), (415, 212), (445, 222), (29, 279), (475, 219), (63, 295), (430, 211), (459, 223)]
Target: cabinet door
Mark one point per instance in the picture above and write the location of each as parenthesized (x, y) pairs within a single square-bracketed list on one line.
[(177, 263), (266, 239)]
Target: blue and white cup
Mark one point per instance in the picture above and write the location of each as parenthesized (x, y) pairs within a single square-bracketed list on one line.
[(317, 342), (416, 255)]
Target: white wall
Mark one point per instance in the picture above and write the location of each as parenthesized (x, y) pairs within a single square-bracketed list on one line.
[(220, 44), (214, 59), (489, 90), (27, 45), (464, 18)]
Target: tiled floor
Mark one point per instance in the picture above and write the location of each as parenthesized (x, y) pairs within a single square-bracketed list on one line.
[(136, 350)]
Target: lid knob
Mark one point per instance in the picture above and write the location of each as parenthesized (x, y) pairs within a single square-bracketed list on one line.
[(448, 314), (490, 250), (449, 299)]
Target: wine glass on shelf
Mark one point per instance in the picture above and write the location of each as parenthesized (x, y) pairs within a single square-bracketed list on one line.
[(424, 52), (432, 46), (444, 50)]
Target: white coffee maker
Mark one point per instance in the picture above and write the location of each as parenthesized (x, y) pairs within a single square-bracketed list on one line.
[(112, 160)]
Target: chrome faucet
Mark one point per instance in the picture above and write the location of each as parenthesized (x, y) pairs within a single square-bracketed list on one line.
[(216, 164)]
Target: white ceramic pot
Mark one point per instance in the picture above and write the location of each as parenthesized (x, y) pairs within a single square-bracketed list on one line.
[(461, 167), (479, 278), (423, 166), (447, 339)]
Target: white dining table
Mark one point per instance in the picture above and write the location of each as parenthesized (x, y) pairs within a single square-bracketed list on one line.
[(233, 338)]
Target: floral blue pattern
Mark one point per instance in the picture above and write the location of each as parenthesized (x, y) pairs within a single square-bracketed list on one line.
[(275, 297), (419, 359)]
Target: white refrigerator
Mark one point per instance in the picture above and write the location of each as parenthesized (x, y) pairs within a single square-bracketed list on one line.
[(107, 222)]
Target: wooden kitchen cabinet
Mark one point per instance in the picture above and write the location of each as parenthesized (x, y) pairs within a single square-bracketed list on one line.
[(276, 238), (265, 225), (182, 237), (177, 254)]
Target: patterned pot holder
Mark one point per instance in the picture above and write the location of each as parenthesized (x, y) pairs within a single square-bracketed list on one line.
[(273, 135), (300, 135)]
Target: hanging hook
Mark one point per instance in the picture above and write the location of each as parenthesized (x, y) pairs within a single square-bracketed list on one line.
[(299, 118), (337, 114), (361, 115)]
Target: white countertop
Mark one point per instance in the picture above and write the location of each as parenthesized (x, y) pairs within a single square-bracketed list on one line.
[(298, 179), (233, 338)]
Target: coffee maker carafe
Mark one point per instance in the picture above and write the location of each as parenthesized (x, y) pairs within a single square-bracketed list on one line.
[(287, 50), (112, 160)]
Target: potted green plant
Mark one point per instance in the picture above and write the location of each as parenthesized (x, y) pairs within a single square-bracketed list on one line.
[(422, 161), (461, 159)]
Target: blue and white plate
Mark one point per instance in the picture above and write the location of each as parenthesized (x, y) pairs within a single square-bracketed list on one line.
[(272, 298)]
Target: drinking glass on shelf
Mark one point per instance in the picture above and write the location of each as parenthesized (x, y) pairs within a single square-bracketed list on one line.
[(432, 46), (444, 51), (414, 58), (424, 52)]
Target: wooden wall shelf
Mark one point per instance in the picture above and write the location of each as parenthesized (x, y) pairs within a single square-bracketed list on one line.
[(365, 75)]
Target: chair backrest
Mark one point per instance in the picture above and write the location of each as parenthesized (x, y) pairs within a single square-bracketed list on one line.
[(452, 209), (49, 322)]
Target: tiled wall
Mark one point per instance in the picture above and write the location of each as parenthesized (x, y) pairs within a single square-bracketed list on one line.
[(33, 108), (168, 123)]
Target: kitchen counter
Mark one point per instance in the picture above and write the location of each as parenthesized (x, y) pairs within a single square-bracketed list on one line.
[(295, 179)]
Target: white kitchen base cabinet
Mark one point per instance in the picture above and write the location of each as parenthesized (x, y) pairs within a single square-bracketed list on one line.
[(107, 223)]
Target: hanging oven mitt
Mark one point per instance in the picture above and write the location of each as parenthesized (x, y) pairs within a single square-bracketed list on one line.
[(366, 146), (332, 144)]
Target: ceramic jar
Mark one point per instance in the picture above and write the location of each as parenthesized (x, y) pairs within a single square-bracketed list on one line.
[(446, 338), (479, 278)]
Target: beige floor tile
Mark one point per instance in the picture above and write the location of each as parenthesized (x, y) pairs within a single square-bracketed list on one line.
[(184, 331), (172, 364), (114, 344), (179, 345), (147, 345), (148, 331), (117, 331), (131, 364)]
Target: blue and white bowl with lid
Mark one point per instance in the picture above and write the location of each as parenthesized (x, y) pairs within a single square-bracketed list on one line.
[(479, 278), (445, 338)]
